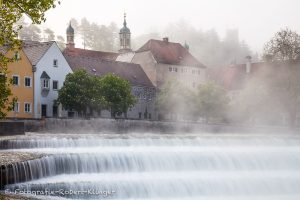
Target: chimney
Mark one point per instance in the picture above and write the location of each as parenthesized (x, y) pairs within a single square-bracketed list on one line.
[(248, 64), (166, 39)]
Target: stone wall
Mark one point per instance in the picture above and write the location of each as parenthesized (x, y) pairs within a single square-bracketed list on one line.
[(97, 125), (11, 128)]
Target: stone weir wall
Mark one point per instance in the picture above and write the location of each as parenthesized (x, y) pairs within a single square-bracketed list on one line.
[(96, 125), (15, 167), (12, 128), (123, 126)]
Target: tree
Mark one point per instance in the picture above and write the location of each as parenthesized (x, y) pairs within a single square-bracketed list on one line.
[(77, 92), (282, 53), (30, 32), (285, 45), (11, 11), (116, 94), (212, 101), (60, 42), (95, 36), (82, 91), (6, 103), (174, 100), (49, 34)]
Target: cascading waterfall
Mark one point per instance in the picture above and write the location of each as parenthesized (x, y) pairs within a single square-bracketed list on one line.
[(158, 167)]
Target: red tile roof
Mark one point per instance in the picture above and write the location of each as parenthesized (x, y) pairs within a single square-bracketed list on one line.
[(91, 53), (170, 53), (129, 71), (234, 77)]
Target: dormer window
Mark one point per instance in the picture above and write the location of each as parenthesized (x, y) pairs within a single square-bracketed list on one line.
[(45, 81), (55, 63)]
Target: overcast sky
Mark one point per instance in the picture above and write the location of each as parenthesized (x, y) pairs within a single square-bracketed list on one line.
[(256, 20)]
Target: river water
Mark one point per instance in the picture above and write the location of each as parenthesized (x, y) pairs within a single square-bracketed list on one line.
[(153, 166)]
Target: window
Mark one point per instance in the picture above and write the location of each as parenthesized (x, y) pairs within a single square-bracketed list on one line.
[(55, 85), (193, 71), (149, 115), (199, 72), (16, 56), (140, 115), (181, 70), (194, 84), (27, 82), (15, 80), (27, 107), (16, 107), (45, 83), (173, 69), (55, 63)]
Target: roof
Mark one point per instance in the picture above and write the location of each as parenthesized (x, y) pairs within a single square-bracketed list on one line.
[(170, 53), (234, 77), (95, 66), (45, 75), (35, 50), (90, 53)]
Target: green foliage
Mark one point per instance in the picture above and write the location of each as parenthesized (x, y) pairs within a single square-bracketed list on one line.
[(285, 45), (174, 99), (116, 94), (11, 11), (6, 103), (209, 101), (77, 92), (212, 101), (82, 91)]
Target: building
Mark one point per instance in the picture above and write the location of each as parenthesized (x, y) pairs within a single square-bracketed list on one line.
[(38, 72), (266, 92), (50, 69), (100, 63), (21, 72), (234, 78), (163, 60)]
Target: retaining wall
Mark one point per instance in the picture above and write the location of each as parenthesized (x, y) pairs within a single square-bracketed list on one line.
[(11, 128)]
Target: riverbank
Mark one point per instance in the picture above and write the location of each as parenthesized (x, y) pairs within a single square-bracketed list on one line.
[(100, 125), (13, 197), (9, 158)]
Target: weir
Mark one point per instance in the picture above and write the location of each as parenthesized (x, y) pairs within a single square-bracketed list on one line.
[(157, 167)]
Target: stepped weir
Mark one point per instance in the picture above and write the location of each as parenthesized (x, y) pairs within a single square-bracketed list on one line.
[(152, 166)]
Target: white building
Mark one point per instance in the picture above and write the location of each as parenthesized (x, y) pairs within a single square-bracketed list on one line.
[(50, 69)]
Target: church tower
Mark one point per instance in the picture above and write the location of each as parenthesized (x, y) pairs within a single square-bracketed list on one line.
[(70, 37), (125, 43)]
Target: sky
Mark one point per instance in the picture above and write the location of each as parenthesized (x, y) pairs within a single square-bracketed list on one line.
[(256, 20)]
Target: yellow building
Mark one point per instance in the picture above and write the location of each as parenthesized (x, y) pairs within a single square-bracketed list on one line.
[(22, 87)]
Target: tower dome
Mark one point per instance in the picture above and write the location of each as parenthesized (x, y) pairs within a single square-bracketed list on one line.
[(124, 29), (70, 36), (70, 29), (125, 37)]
